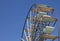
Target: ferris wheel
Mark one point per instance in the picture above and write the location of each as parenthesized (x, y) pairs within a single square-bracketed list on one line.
[(39, 24)]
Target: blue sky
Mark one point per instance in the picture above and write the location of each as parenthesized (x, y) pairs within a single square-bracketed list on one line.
[(13, 13)]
